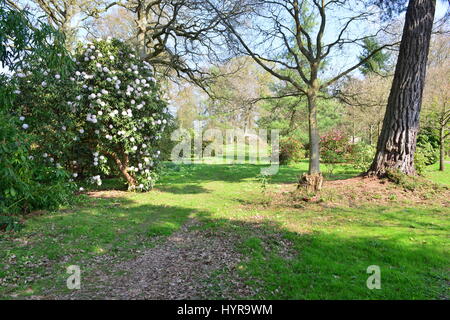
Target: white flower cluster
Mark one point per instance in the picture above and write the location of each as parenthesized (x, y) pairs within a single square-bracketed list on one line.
[(115, 99), (96, 179), (91, 118), (98, 158)]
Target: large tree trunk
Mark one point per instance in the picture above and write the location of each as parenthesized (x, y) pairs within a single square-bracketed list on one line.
[(397, 141)]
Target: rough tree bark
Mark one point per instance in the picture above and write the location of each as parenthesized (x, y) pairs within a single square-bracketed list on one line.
[(397, 140)]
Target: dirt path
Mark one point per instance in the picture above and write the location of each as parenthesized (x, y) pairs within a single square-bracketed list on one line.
[(181, 267)]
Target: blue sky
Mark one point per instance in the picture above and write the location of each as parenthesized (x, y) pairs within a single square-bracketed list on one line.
[(349, 56)]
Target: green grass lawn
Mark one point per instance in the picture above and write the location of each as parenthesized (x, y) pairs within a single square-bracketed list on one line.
[(432, 172), (317, 252)]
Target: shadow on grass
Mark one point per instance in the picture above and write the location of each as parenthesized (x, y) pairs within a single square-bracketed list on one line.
[(108, 184), (281, 264), (328, 265), (183, 189)]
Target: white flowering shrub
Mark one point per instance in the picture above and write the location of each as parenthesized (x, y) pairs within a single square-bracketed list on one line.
[(104, 117)]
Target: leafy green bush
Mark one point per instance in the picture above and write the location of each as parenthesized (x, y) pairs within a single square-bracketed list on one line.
[(428, 154), (362, 156), (291, 150), (420, 162), (427, 149), (23, 35), (335, 147), (26, 183), (9, 223)]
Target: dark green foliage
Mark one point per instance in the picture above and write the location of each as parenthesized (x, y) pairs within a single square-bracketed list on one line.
[(22, 35), (8, 223), (335, 147), (26, 183), (362, 155), (427, 150), (428, 135), (430, 153), (378, 63), (291, 150)]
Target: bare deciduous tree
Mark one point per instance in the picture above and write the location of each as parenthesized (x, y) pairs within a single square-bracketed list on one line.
[(117, 22), (365, 101), (267, 30), (235, 98), (66, 15), (437, 92)]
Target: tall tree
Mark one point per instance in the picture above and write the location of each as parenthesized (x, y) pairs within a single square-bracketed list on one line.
[(265, 33), (397, 141), (179, 38)]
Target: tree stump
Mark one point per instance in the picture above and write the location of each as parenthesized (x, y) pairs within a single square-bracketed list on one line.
[(312, 182)]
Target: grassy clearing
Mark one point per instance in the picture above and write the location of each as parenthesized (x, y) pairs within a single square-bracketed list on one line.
[(432, 172), (316, 252)]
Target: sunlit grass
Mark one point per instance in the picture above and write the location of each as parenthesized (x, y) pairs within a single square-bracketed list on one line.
[(432, 172), (329, 248)]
